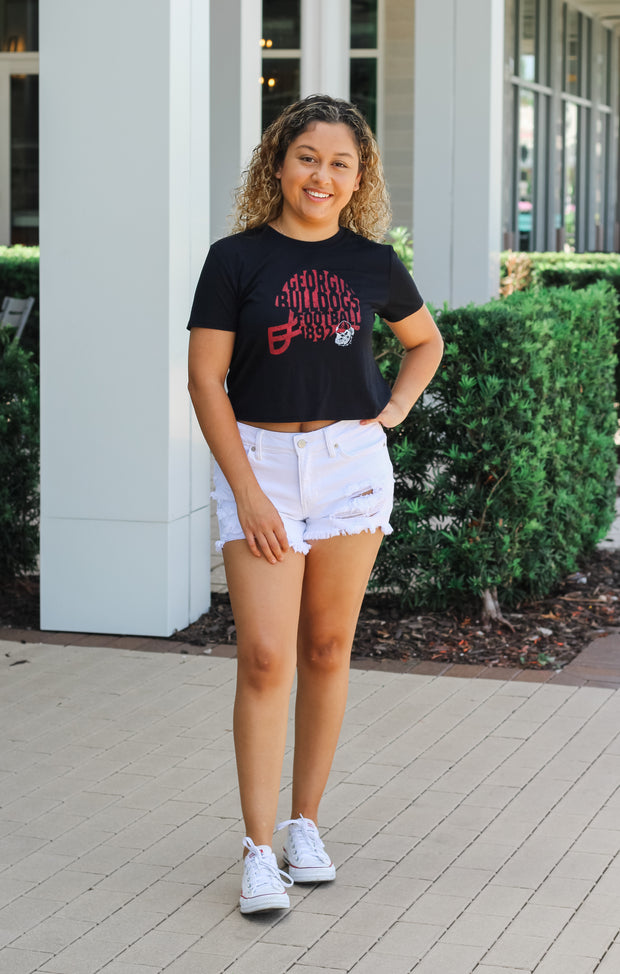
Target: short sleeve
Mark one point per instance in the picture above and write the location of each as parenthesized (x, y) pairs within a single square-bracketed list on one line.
[(403, 299), (216, 299)]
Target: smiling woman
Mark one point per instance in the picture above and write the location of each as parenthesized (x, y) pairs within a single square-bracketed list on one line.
[(293, 406)]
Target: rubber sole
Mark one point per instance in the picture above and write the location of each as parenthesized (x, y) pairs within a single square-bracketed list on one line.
[(270, 901), (310, 874)]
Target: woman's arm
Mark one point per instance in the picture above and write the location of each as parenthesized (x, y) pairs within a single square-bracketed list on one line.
[(210, 352), (419, 336)]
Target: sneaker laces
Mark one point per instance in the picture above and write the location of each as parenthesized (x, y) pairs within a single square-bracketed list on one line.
[(262, 869), (307, 839)]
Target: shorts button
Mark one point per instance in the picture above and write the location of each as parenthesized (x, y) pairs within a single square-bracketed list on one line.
[(253, 449), (301, 444)]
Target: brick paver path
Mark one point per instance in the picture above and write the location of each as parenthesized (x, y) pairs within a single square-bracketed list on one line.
[(475, 825)]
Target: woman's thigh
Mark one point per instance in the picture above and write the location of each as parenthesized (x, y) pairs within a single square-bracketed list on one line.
[(265, 600), (335, 580)]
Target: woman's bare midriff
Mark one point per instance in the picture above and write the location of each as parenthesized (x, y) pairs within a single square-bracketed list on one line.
[(308, 427)]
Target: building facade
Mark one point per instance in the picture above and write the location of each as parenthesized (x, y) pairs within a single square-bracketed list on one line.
[(561, 93)]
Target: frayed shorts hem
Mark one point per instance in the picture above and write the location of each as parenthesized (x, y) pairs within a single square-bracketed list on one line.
[(303, 547)]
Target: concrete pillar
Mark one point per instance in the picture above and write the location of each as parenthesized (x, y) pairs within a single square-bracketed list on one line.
[(124, 230), (236, 30), (458, 148), (325, 42)]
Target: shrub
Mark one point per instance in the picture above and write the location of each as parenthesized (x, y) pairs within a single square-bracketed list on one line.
[(558, 270), (19, 278), (505, 467), (561, 269), (19, 458)]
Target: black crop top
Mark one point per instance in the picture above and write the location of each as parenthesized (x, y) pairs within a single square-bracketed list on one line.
[(303, 314)]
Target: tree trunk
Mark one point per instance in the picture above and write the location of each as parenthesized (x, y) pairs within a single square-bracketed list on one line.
[(491, 611)]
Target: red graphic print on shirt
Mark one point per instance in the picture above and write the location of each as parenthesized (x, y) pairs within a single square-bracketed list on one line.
[(320, 305)]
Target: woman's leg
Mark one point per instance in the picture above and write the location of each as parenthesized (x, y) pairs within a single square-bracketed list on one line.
[(265, 601), (337, 572)]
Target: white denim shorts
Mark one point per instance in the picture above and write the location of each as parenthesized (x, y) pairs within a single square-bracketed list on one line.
[(335, 480)]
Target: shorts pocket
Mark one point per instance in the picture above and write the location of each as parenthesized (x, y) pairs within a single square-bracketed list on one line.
[(368, 440)]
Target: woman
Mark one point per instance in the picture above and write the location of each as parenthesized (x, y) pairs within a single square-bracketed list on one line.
[(293, 407)]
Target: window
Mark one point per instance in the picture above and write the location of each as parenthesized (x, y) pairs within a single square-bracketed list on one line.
[(364, 56), (281, 44), (572, 60), (19, 122), (571, 174), (527, 40), (25, 159), (577, 218), (526, 170), (559, 132), (19, 26), (526, 221), (602, 111)]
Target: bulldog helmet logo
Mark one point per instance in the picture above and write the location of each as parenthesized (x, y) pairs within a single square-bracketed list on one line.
[(344, 333)]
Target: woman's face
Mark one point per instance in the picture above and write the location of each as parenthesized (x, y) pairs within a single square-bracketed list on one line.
[(320, 173)]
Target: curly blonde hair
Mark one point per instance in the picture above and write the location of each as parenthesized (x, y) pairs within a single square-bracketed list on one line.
[(259, 199)]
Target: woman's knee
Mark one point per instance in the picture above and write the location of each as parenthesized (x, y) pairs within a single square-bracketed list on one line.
[(324, 654), (264, 666)]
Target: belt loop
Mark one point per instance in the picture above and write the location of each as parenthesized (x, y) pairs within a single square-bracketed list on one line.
[(259, 443), (331, 446)]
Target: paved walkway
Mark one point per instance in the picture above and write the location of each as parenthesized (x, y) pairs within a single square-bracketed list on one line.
[(475, 824)]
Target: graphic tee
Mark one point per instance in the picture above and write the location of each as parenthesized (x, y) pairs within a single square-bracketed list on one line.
[(303, 314)]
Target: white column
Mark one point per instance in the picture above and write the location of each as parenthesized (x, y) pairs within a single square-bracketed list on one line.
[(236, 30), (325, 45), (458, 148), (124, 229)]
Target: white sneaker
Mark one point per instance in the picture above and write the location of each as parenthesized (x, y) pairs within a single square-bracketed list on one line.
[(304, 852), (263, 886)]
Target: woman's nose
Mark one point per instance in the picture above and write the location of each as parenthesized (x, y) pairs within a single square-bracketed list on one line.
[(321, 173)]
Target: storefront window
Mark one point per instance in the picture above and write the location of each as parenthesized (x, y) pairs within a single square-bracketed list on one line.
[(603, 60), (364, 88), (25, 159), (600, 171), (364, 54), (281, 24), (571, 156), (280, 84), (572, 59), (19, 25), (558, 201), (281, 40), (527, 40), (525, 163), (364, 24)]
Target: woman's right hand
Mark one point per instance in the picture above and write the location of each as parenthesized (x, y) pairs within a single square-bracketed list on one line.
[(262, 526)]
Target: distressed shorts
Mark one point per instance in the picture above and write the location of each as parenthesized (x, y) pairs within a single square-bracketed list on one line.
[(336, 480)]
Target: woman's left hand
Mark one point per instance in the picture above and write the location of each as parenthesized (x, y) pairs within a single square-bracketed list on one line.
[(389, 417)]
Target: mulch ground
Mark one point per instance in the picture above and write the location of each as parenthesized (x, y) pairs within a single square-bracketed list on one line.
[(546, 634)]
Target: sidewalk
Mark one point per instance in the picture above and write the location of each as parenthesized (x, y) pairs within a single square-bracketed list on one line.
[(475, 824)]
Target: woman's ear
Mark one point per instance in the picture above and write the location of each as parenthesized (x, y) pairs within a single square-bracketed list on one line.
[(358, 180)]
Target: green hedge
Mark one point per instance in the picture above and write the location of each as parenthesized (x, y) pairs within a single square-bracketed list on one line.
[(505, 467), (560, 269), (19, 278), (19, 458)]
